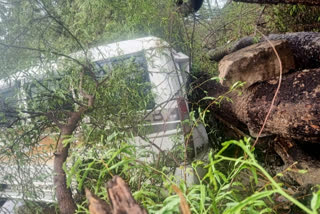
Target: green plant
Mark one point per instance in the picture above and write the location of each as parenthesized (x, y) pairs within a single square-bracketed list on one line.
[(220, 189), (292, 18)]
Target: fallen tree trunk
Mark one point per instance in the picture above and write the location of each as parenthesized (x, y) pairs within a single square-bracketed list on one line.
[(305, 47), (296, 113), (305, 2)]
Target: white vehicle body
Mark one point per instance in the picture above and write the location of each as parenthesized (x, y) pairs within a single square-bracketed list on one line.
[(167, 72)]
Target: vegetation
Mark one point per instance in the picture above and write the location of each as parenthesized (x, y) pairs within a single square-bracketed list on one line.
[(220, 189), (294, 18), (93, 118)]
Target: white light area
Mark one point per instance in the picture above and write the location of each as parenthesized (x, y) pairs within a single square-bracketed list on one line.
[(217, 3)]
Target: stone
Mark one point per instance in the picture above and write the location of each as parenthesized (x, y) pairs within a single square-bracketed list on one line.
[(256, 63)]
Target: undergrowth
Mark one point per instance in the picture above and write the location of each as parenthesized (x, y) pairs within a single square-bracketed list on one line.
[(220, 188)]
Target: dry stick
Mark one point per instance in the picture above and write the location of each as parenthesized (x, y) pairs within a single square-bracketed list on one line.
[(276, 92), (257, 22), (274, 177), (184, 207), (279, 204), (190, 66)]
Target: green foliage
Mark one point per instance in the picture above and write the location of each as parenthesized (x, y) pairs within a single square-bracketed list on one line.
[(36, 208), (293, 18), (220, 188), (315, 202), (36, 39), (93, 21), (231, 23)]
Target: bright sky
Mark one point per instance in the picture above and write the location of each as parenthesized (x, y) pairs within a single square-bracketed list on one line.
[(220, 2)]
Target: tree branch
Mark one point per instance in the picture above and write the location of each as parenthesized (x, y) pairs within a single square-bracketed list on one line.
[(42, 51), (305, 2), (59, 22)]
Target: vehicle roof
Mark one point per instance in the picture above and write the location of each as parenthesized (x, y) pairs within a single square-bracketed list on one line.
[(124, 47), (102, 52)]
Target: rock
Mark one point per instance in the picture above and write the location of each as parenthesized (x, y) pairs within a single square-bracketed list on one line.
[(256, 63)]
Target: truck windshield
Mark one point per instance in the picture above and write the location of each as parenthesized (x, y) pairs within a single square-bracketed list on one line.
[(138, 73)]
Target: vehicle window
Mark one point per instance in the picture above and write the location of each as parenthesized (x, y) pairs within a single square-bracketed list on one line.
[(8, 106), (41, 92), (137, 65)]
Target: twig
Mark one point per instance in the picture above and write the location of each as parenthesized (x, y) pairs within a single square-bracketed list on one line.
[(184, 207), (41, 51), (260, 15), (276, 92)]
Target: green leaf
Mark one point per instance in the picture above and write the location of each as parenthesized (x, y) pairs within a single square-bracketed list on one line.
[(279, 174), (302, 171), (202, 197), (315, 201), (237, 208)]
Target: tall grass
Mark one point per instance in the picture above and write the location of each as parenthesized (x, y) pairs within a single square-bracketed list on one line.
[(221, 186)]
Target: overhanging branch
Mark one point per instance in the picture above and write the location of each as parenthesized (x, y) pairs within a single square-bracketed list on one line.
[(42, 51), (305, 2)]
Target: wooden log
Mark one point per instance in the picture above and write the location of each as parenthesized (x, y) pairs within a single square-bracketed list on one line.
[(256, 63), (305, 47), (297, 159), (96, 205), (120, 197), (296, 113)]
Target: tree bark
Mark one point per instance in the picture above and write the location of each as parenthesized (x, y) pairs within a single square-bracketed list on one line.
[(120, 197), (305, 2), (304, 46), (63, 193), (295, 114)]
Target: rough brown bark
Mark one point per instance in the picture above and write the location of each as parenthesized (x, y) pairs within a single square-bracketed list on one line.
[(120, 198), (305, 47), (63, 193), (96, 205), (297, 158), (305, 2), (256, 63), (295, 113)]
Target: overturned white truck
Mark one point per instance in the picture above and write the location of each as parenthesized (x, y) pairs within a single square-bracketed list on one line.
[(167, 71)]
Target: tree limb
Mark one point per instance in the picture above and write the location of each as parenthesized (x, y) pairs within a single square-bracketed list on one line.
[(305, 2)]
